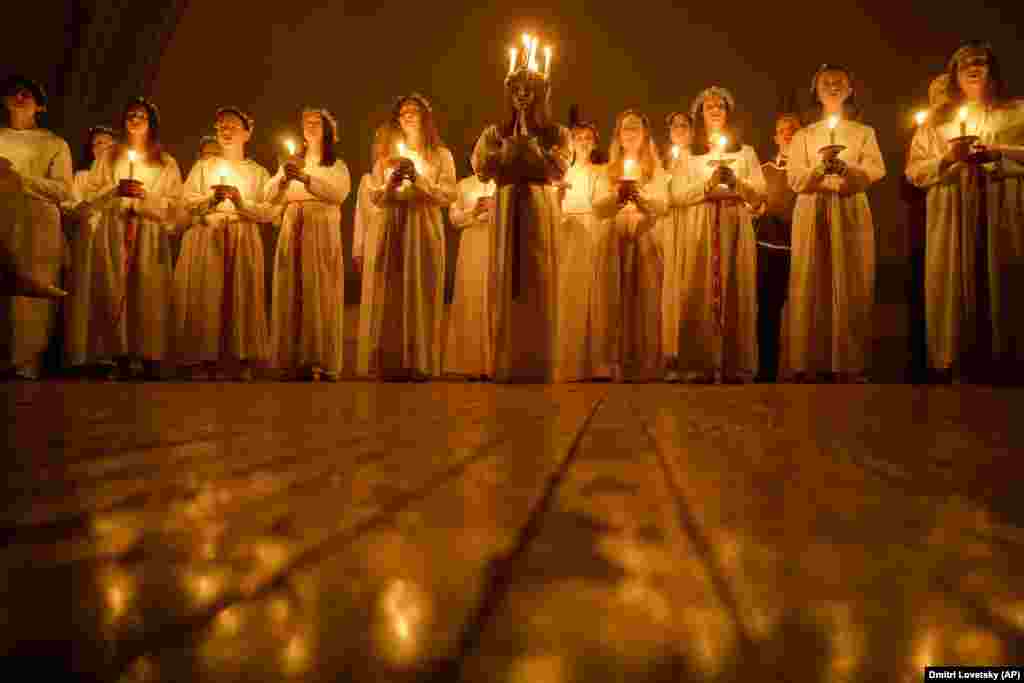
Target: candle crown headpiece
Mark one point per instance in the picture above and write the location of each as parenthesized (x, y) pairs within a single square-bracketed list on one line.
[(327, 116), (16, 82), (248, 121), (411, 97), (716, 90), (100, 129), (151, 109), (525, 63)]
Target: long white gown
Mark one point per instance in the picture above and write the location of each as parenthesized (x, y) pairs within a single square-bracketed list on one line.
[(219, 298), (584, 281), (718, 307), (128, 273), (630, 267), (80, 240), (953, 225), (408, 311), (308, 300), (674, 239), (524, 259), (30, 228), (828, 327), (468, 349), (365, 245)]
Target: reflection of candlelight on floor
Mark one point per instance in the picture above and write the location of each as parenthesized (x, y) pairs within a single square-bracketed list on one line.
[(403, 614), (229, 621), (119, 588), (296, 655)]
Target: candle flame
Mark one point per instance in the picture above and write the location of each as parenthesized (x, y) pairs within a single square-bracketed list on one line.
[(527, 41), (833, 121), (547, 60), (512, 54), (723, 142), (627, 169), (290, 145), (132, 155), (920, 117), (963, 113), (675, 151), (402, 150)]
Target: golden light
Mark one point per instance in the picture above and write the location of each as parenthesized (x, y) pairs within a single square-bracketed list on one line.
[(131, 164), (920, 117), (675, 151), (963, 114), (223, 174), (132, 155), (512, 54), (289, 144), (723, 142), (628, 169), (547, 60), (402, 150), (833, 121)]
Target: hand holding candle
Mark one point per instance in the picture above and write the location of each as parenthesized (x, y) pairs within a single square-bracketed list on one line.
[(131, 164), (833, 121), (920, 117)]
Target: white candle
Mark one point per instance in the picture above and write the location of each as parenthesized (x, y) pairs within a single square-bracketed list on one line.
[(547, 61), (131, 164), (963, 121), (833, 121), (223, 174), (512, 54), (628, 171), (675, 151), (920, 117), (533, 53), (402, 151)]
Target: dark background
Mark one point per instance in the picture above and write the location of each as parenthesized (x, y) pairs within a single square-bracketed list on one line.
[(356, 57)]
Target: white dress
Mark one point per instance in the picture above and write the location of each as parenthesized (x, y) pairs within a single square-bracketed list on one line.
[(408, 310), (718, 306), (630, 266), (219, 298), (80, 241), (30, 228), (524, 259), (673, 239), (827, 327), (365, 245), (126, 272), (468, 350), (584, 335), (308, 301), (954, 213)]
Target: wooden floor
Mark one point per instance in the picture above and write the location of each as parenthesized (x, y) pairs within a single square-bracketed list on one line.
[(450, 531)]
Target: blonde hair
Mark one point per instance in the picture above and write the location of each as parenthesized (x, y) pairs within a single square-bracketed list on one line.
[(649, 161)]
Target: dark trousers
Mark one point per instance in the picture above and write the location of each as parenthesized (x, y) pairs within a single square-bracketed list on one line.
[(772, 287)]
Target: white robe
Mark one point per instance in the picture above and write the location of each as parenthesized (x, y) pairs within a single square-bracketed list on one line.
[(219, 298), (584, 334), (528, 217), (953, 215), (365, 245), (719, 328), (629, 268), (827, 327), (308, 301), (673, 240), (408, 308), (126, 278), (468, 349), (30, 227)]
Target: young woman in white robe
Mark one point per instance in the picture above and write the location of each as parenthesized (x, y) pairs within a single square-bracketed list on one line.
[(308, 302), (81, 240), (827, 333), (35, 180), (468, 349), (974, 249), (582, 305), (126, 316), (674, 239), (408, 310), (525, 156), (220, 319), (718, 310), (365, 245), (631, 198)]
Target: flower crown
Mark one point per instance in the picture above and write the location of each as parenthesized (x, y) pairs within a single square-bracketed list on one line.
[(154, 111), (247, 120)]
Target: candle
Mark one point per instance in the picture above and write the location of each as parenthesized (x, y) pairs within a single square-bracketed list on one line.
[(723, 142), (547, 61), (833, 121), (402, 151), (533, 54), (131, 164), (920, 117), (289, 144), (223, 174), (963, 121), (675, 151), (512, 54), (628, 171)]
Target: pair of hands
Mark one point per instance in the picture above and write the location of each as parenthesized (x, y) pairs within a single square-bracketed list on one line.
[(131, 189), (222, 192), (965, 151), (294, 171), (483, 206), (401, 169), (628, 191), (721, 176)]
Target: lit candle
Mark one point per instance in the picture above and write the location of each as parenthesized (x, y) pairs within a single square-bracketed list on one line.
[(723, 142), (547, 61), (675, 152), (223, 174), (402, 151), (833, 121), (628, 169), (512, 54), (533, 53), (131, 164), (920, 117), (963, 121)]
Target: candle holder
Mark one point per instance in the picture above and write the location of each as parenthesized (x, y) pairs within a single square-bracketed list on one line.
[(129, 185), (405, 169), (725, 162), (830, 155)]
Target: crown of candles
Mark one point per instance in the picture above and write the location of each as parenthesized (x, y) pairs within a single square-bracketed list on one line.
[(526, 60)]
